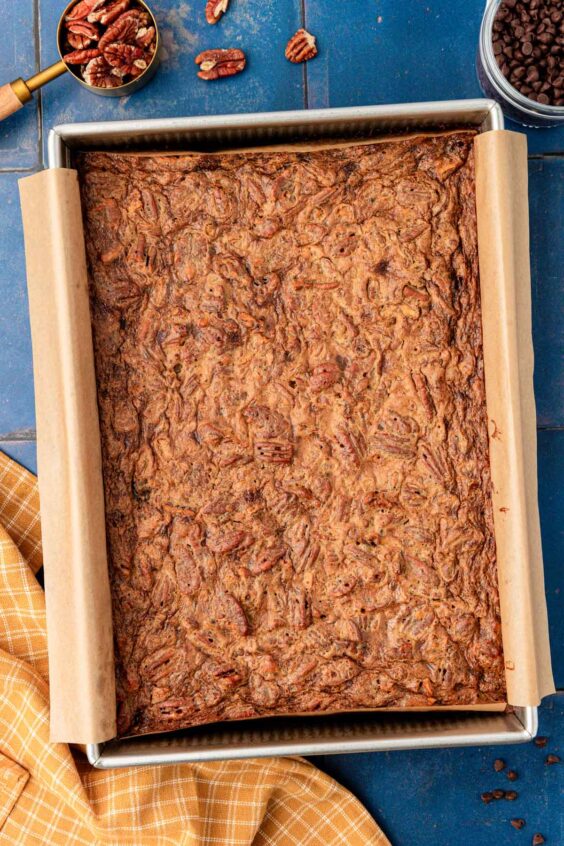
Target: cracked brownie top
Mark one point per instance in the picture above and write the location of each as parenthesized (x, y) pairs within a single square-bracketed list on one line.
[(291, 392)]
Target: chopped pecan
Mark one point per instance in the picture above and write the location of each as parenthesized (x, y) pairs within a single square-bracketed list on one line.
[(274, 452), (434, 463), (349, 444), (83, 9), (301, 47), (416, 294), (337, 672), (215, 9), (324, 376), (266, 560), (125, 58), (79, 57), (226, 542), (299, 612), (393, 444), (341, 584), (232, 612), (158, 665), (215, 64), (422, 389), (99, 74)]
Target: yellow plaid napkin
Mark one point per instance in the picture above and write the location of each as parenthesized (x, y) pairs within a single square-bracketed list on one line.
[(50, 795)]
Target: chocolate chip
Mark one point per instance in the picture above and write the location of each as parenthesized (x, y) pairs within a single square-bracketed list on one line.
[(529, 47), (499, 765), (540, 741), (518, 823), (486, 798), (552, 759), (538, 840), (498, 794), (512, 775), (512, 795)]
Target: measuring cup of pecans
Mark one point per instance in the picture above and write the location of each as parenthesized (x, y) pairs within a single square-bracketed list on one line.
[(109, 46), (521, 59)]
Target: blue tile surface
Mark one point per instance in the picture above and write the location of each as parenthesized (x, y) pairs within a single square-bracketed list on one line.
[(384, 51), (546, 200), (551, 507), (19, 140), (433, 796), (16, 377), (24, 452)]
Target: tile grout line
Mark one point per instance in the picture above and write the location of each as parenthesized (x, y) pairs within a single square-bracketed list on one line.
[(37, 44), (304, 72)]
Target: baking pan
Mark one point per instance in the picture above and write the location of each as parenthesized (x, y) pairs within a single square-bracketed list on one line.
[(360, 732)]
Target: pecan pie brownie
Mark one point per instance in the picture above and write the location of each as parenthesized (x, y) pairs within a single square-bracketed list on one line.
[(295, 450)]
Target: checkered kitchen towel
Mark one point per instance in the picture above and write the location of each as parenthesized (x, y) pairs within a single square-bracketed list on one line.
[(49, 794)]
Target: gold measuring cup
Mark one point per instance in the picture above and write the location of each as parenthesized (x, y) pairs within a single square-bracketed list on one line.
[(16, 94)]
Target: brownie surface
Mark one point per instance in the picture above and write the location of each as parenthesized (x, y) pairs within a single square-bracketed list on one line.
[(294, 434)]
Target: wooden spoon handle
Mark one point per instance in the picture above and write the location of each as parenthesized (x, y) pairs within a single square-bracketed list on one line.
[(10, 101)]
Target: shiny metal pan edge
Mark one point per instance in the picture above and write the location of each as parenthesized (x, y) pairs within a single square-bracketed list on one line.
[(270, 127), (340, 734), (345, 733)]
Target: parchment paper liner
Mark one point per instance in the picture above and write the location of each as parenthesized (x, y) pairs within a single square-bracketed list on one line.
[(81, 662)]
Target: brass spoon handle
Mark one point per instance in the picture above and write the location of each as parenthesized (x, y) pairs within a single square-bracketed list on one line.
[(16, 94)]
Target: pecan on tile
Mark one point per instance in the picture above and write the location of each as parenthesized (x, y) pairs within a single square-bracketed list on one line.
[(215, 64), (81, 34), (215, 9), (108, 14), (99, 74), (301, 47), (125, 58), (83, 9), (80, 57)]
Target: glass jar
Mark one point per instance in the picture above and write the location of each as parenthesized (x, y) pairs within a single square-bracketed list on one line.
[(494, 84)]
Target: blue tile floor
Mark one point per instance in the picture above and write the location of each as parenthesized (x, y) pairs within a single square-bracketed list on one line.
[(372, 52)]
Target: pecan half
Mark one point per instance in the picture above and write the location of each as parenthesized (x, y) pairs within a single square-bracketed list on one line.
[(99, 74), (108, 14), (145, 36), (83, 9), (81, 34), (301, 47), (79, 57), (125, 29), (215, 9), (215, 64), (125, 58)]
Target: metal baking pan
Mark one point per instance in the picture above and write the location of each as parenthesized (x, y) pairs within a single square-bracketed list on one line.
[(364, 731)]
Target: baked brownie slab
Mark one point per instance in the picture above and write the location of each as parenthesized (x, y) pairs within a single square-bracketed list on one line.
[(291, 392)]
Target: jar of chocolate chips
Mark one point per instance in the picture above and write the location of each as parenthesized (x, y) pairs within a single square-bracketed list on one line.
[(521, 59)]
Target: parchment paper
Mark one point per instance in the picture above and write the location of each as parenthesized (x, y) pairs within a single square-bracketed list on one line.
[(78, 599), (503, 243), (79, 622)]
